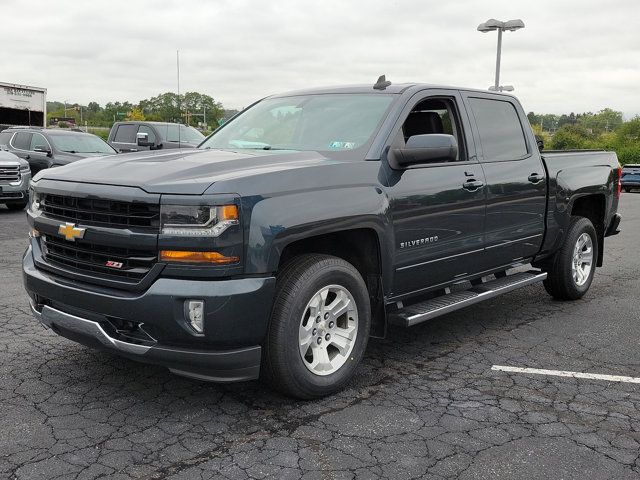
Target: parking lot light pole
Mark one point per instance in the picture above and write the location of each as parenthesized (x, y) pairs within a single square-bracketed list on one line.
[(491, 25)]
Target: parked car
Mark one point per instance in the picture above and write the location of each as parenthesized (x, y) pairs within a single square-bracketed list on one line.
[(49, 147), (14, 181), (307, 224), (630, 177), (134, 136)]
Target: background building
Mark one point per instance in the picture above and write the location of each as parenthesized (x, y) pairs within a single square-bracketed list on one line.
[(22, 105)]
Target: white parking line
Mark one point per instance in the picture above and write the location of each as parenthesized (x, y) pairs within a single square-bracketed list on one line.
[(564, 373)]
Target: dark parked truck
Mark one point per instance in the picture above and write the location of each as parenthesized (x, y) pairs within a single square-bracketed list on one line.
[(134, 136), (309, 223)]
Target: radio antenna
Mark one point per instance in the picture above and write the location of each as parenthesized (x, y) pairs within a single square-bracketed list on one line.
[(179, 101)]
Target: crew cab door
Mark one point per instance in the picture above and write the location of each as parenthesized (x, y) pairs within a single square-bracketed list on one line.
[(515, 177), (437, 209)]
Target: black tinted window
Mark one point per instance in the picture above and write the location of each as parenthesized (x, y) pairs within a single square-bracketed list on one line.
[(126, 133), (22, 140), (500, 130)]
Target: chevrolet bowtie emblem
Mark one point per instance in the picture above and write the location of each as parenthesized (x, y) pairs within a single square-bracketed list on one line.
[(70, 232)]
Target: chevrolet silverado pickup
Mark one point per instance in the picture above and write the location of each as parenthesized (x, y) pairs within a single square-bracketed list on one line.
[(308, 223)]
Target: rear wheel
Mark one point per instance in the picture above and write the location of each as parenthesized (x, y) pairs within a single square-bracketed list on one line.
[(574, 265), (319, 327)]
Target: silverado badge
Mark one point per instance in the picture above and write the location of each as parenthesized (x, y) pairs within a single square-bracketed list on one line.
[(70, 232)]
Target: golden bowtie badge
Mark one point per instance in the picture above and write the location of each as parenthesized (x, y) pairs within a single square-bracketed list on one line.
[(70, 232)]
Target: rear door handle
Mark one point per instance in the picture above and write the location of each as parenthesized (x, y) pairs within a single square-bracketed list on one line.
[(472, 185), (535, 178)]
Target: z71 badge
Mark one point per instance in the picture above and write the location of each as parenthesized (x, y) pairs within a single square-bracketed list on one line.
[(418, 242)]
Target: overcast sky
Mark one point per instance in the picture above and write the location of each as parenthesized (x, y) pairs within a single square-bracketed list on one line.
[(573, 55)]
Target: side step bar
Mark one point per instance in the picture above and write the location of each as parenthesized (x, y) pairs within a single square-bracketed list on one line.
[(423, 311)]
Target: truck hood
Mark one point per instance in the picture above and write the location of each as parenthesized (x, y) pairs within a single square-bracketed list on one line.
[(180, 171), (8, 159)]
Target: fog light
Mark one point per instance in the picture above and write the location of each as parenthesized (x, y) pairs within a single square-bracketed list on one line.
[(195, 314)]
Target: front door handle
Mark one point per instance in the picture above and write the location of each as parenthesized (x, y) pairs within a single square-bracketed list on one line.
[(472, 185), (535, 178)]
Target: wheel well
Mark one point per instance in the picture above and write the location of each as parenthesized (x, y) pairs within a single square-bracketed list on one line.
[(593, 207), (359, 247)]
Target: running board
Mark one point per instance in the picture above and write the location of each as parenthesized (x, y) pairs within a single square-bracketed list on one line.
[(423, 311)]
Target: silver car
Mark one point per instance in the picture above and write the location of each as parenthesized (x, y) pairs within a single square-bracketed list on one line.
[(14, 181)]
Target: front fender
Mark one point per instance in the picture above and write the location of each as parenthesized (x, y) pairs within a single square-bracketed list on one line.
[(277, 221)]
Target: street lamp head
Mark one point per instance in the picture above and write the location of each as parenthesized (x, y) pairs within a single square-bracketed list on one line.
[(490, 25), (505, 88), (513, 25), (493, 24)]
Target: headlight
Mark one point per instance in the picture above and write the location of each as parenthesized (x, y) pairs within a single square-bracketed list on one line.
[(35, 200), (25, 168), (197, 220)]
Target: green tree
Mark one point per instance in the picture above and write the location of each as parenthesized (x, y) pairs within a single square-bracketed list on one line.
[(569, 137), (135, 114)]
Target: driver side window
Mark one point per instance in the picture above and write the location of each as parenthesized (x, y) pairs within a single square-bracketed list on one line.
[(37, 140), (434, 116)]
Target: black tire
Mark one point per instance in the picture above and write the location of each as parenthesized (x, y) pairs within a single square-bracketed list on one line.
[(17, 205), (560, 282), (627, 189), (283, 366)]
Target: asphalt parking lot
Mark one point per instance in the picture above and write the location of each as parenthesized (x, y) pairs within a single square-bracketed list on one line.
[(426, 402)]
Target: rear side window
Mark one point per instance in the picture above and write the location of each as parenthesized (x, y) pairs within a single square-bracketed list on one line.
[(500, 129), (22, 141), (126, 133)]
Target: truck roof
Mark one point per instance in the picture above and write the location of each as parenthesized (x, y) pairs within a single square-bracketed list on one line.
[(150, 122), (396, 89)]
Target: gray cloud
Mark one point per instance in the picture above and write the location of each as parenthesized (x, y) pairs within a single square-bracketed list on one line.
[(572, 56)]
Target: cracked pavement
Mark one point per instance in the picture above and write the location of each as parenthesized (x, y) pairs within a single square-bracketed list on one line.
[(424, 404)]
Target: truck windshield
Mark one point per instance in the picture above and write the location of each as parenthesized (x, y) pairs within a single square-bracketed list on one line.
[(81, 143), (328, 122)]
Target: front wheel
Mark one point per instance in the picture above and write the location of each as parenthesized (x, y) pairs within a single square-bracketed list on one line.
[(319, 327), (574, 265), (627, 189)]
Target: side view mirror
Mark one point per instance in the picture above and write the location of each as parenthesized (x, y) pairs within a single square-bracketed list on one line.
[(540, 142), (143, 140), (434, 147), (42, 149)]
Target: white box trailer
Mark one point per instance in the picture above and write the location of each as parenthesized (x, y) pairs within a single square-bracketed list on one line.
[(22, 105)]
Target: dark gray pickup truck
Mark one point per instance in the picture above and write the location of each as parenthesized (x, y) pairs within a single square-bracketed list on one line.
[(309, 223)]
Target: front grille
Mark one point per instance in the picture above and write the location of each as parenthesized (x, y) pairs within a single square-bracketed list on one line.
[(91, 258), (9, 174), (101, 212)]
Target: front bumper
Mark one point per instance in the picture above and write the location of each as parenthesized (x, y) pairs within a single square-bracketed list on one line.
[(236, 318)]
